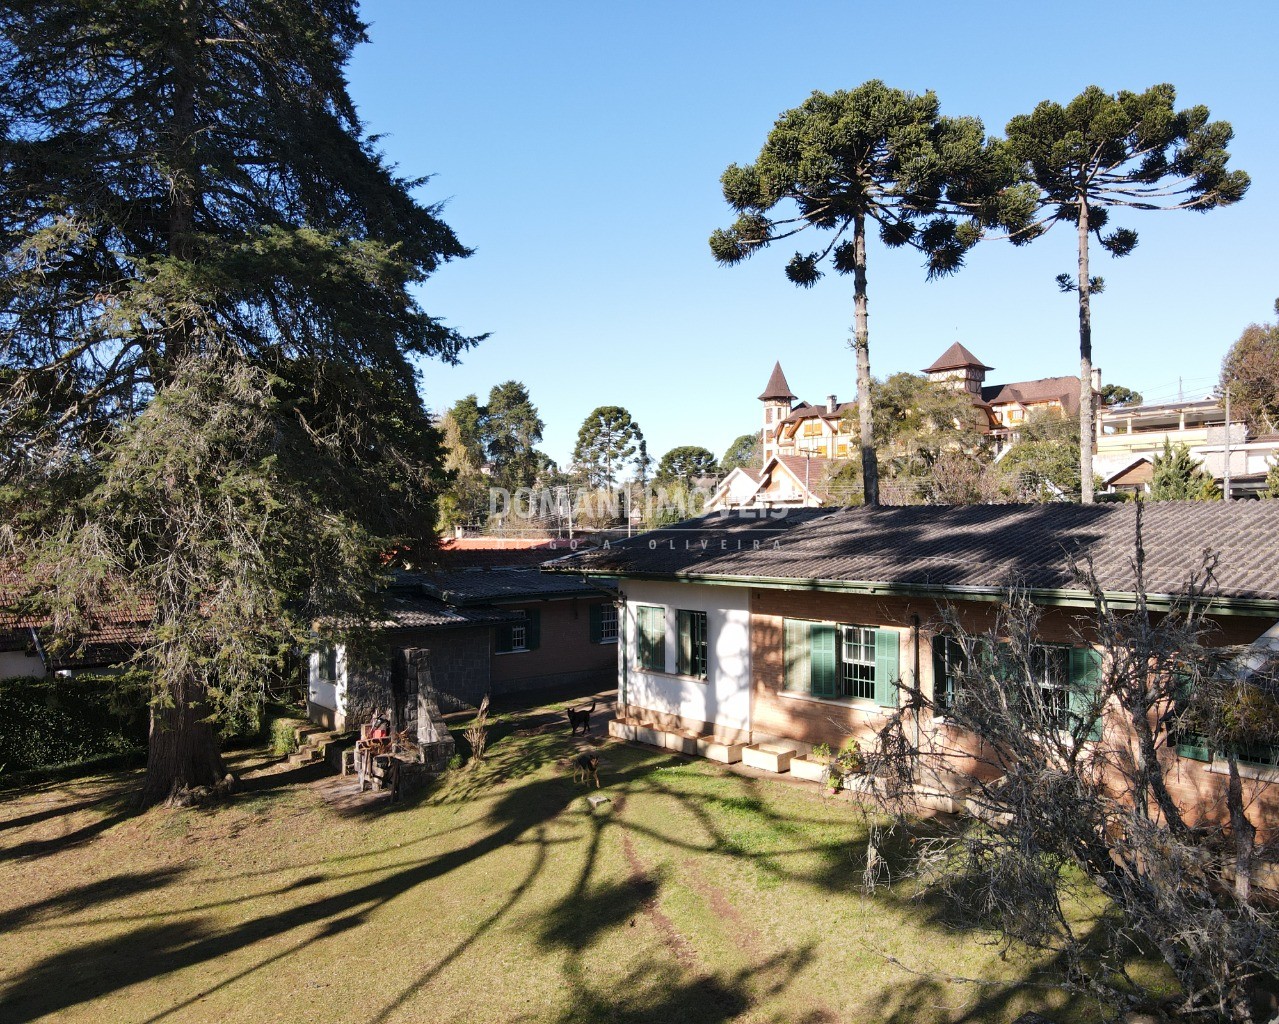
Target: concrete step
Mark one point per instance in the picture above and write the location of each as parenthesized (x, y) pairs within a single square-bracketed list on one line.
[(305, 755)]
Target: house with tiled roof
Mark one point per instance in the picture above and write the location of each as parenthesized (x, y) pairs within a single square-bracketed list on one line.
[(802, 629), (829, 429), (459, 631), (786, 481), (106, 636)]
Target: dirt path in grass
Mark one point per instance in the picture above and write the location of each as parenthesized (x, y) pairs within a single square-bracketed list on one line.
[(679, 946), (723, 908)]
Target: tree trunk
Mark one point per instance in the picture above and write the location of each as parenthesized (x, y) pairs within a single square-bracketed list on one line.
[(1242, 831), (861, 344), (183, 748), (1085, 361)]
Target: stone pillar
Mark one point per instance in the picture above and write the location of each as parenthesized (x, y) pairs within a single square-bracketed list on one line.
[(433, 736)]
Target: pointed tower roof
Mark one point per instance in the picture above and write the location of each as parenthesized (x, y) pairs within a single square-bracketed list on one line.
[(957, 358), (777, 388)]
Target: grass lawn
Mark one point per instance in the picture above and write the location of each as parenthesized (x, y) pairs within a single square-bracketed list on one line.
[(695, 895)]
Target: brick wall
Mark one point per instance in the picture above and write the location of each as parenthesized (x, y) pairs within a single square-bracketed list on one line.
[(565, 655), (1198, 788)]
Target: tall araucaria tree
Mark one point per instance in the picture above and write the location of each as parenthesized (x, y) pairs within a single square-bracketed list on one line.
[(208, 409), (1124, 151), (607, 440), (850, 160)]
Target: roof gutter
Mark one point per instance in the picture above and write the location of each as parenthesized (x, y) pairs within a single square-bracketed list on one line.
[(1057, 597)]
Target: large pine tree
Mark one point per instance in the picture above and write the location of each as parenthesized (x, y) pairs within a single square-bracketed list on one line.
[(208, 409)]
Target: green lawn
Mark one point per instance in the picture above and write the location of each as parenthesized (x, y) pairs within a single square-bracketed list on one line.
[(696, 895)]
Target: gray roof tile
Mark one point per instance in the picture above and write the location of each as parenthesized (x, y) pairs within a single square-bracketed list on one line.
[(966, 547)]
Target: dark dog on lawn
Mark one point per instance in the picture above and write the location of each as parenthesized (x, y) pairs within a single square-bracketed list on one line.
[(579, 717), (587, 767)]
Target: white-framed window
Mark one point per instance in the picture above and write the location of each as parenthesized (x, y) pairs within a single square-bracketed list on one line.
[(603, 624), (857, 662), (949, 664), (1050, 673), (840, 662), (521, 635)]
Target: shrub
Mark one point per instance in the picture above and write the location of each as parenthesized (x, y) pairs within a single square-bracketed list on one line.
[(56, 721), (477, 732), (284, 738)]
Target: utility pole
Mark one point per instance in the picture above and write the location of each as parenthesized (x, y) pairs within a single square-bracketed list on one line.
[(1226, 475)]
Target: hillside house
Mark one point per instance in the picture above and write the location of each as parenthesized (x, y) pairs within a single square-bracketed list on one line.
[(829, 430), (796, 630), (463, 633)]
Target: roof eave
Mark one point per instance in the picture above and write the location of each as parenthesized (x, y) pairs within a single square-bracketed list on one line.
[(1057, 597)]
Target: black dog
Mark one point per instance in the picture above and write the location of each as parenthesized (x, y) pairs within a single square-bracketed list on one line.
[(586, 767), (580, 716)]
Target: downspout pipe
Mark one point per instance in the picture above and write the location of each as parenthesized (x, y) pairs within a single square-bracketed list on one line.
[(914, 636)]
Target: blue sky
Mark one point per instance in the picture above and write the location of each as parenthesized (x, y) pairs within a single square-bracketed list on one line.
[(578, 148)]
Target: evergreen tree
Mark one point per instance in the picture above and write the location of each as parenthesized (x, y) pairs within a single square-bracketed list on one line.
[(466, 499), (607, 441), (1178, 477), (1272, 480), (853, 160), (1251, 372), (744, 452), (1102, 152), (1117, 394), (512, 430), (686, 464), (209, 406)]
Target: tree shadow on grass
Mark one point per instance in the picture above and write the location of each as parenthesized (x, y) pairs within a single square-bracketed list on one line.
[(674, 989), (117, 808), (82, 898), (659, 993), (154, 950)]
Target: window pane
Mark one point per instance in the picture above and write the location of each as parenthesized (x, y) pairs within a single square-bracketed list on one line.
[(652, 638), (857, 658)]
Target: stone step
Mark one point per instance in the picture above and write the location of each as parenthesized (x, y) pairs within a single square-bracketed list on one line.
[(305, 755)]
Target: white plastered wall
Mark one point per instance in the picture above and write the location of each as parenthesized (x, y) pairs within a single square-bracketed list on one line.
[(723, 698)]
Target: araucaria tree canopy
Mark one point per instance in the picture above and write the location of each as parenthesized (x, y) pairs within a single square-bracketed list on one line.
[(207, 404), (1101, 152), (868, 158)]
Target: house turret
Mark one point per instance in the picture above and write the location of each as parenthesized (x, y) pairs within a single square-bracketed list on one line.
[(777, 399), (960, 369)]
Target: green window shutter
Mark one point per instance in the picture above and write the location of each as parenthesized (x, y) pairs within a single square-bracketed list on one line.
[(824, 659), (641, 636), (1194, 747), (1085, 677), (701, 644), (533, 630), (597, 623), (652, 638), (684, 650), (887, 643), (796, 655)]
